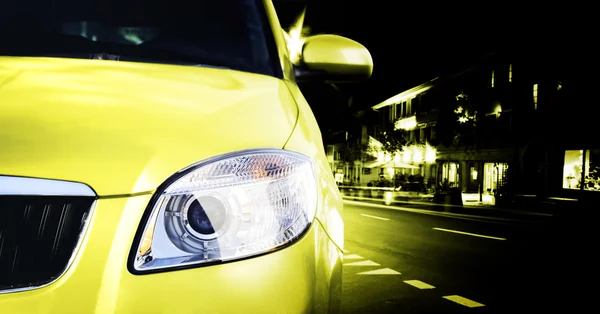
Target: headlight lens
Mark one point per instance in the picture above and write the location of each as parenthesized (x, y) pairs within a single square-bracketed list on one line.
[(231, 207)]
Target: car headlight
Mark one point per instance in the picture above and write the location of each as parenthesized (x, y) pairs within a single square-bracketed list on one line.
[(227, 208)]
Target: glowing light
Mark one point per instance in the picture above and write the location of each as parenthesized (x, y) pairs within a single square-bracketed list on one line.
[(463, 119), (407, 124), (417, 156), (459, 110), (390, 171), (397, 157), (296, 37), (535, 95), (380, 156), (498, 110), (406, 155), (430, 154)]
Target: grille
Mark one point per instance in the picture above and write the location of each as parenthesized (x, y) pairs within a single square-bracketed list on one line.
[(38, 236)]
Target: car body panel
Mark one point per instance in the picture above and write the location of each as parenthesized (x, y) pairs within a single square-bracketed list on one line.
[(307, 139), (123, 128), (292, 279), (94, 121), (302, 278), (279, 37)]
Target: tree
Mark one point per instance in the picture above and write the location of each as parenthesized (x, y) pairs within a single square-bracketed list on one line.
[(393, 140), (355, 152), (457, 125)]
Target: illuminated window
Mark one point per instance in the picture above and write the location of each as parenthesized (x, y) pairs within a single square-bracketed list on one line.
[(592, 170), (450, 174), (535, 96), (494, 177), (572, 169), (510, 72), (582, 164), (492, 80)]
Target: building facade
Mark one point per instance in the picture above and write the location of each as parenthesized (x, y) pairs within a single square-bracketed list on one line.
[(508, 126)]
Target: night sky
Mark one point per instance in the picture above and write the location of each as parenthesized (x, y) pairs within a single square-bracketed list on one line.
[(412, 42)]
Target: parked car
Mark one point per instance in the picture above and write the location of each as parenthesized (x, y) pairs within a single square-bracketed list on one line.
[(162, 159)]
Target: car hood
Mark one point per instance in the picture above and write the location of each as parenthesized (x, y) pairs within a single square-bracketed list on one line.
[(124, 127)]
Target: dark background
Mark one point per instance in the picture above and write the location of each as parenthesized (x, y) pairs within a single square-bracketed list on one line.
[(413, 42)]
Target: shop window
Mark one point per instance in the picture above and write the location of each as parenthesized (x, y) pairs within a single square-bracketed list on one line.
[(592, 170), (572, 170), (494, 177), (450, 174), (473, 182), (582, 164)]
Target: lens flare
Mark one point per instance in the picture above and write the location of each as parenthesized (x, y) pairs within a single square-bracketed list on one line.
[(296, 36)]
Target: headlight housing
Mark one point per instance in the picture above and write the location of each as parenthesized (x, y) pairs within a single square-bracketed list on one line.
[(227, 208)]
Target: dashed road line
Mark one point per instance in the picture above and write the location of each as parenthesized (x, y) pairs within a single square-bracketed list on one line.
[(471, 234), (419, 284), (463, 301), (352, 256), (383, 271), (415, 283), (363, 263), (374, 217)]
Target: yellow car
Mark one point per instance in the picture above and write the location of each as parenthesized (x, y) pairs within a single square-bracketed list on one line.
[(162, 159)]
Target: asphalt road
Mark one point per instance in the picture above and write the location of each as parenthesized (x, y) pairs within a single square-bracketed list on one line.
[(401, 261)]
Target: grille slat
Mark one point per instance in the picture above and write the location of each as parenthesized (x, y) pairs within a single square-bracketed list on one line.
[(38, 235)]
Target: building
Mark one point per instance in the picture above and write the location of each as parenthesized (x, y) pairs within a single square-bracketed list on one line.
[(348, 155), (417, 158), (508, 126)]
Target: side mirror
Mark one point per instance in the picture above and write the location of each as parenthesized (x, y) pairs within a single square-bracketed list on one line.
[(334, 59)]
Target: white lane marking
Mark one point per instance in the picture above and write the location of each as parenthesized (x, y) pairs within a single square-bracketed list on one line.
[(492, 220), (363, 263), (352, 256), (419, 284), (471, 234), (346, 197), (463, 301), (383, 271), (374, 217)]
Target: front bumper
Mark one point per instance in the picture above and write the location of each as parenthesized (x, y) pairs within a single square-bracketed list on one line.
[(302, 278)]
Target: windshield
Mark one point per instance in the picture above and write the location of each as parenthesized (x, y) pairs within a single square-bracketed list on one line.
[(229, 34)]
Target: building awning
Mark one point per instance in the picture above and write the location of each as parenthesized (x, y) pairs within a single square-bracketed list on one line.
[(389, 164)]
